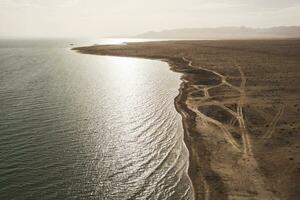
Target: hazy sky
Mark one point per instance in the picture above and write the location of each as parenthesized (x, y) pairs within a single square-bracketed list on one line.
[(100, 18)]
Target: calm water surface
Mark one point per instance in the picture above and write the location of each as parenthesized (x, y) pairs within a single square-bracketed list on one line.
[(76, 126)]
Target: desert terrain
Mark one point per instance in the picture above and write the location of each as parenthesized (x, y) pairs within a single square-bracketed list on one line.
[(240, 105)]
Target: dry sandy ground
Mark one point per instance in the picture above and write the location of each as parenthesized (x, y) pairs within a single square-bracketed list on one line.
[(240, 103)]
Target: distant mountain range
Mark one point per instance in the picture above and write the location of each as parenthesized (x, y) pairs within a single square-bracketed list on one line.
[(226, 33)]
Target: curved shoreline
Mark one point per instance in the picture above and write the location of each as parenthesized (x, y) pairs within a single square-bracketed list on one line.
[(181, 66), (178, 103), (228, 127)]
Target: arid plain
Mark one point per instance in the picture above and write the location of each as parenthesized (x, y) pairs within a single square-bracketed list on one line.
[(240, 104)]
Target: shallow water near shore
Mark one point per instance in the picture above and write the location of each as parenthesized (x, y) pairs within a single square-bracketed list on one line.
[(76, 126)]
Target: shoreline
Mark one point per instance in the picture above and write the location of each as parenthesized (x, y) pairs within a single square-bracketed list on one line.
[(178, 103), (179, 106), (221, 100)]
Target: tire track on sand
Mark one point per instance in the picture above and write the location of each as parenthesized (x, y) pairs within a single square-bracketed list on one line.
[(247, 164)]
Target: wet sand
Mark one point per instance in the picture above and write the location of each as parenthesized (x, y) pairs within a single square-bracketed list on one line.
[(239, 101)]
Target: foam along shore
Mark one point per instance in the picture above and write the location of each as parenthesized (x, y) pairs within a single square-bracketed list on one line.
[(239, 103)]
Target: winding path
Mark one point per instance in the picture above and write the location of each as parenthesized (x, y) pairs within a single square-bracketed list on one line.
[(247, 160)]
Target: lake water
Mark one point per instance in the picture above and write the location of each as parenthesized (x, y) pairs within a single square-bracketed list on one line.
[(76, 126)]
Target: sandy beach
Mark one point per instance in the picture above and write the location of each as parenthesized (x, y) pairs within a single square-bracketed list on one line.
[(239, 100)]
